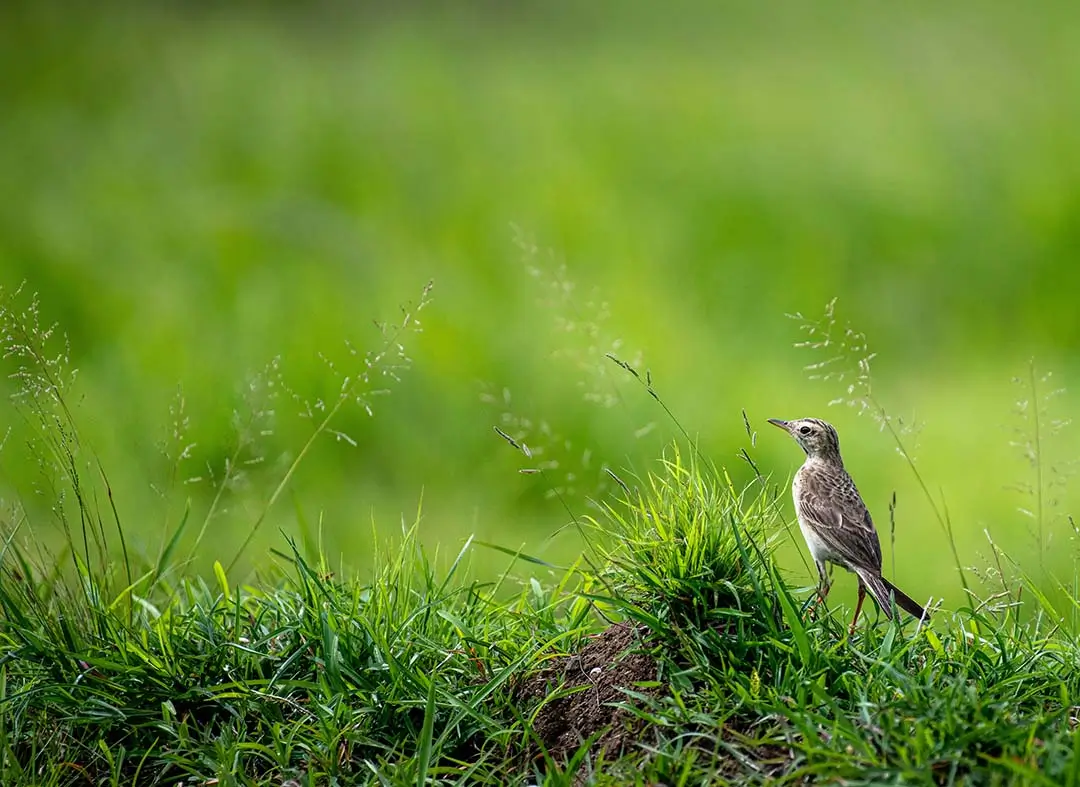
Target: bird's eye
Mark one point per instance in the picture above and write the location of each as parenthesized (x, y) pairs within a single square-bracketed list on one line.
[(804, 429)]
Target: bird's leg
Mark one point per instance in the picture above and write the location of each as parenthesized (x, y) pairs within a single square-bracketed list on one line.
[(823, 586), (858, 607)]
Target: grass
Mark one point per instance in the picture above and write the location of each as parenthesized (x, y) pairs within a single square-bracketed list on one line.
[(416, 675), (674, 651)]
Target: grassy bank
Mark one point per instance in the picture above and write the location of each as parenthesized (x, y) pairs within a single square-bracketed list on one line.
[(672, 653), (674, 650)]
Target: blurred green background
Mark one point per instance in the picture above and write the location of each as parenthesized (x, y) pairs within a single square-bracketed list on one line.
[(195, 189)]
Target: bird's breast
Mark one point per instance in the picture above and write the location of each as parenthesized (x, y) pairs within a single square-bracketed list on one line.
[(819, 548)]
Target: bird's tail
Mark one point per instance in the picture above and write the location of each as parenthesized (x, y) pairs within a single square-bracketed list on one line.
[(885, 592)]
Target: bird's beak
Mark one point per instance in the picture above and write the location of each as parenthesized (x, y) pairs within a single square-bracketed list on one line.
[(777, 422)]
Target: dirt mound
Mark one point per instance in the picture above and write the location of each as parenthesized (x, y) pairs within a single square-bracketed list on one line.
[(609, 662)]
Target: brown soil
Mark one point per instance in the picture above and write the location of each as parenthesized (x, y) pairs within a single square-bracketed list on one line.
[(608, 662), (597, 675)]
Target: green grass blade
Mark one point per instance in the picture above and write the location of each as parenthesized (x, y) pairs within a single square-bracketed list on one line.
[(794, 621), (427, 736)]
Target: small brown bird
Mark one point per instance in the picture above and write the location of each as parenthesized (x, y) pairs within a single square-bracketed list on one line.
[(834, 520)]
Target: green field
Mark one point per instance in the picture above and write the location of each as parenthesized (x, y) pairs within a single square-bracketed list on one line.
[(194, 192), (385, 391)]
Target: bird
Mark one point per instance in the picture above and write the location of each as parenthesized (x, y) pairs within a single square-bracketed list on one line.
[(835, 521)]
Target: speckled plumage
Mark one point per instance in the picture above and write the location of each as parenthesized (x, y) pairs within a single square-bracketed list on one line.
[(834, 519)]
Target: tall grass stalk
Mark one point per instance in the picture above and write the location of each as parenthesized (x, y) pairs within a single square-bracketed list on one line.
[(1034, 434), (354, 389), (43, 375)]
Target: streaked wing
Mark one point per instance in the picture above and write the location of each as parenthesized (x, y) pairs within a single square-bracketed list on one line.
[(831, 503)]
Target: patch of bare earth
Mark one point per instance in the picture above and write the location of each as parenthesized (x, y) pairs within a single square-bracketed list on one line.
[(592, 681), (591, 684)]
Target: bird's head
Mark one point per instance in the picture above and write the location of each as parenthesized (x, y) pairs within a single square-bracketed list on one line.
[(813, 435)]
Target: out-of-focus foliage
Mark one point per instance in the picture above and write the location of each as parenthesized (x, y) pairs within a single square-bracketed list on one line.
[(195, 191)]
